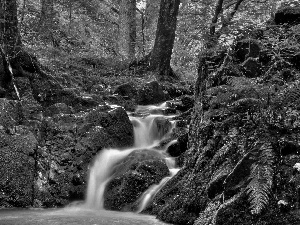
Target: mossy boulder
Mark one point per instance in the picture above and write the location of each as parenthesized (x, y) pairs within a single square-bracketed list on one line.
[(150, 93), (138, 171)]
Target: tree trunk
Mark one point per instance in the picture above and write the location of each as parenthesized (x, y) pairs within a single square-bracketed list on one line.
[(127, 29), (164, 41), (9, 32), (151, 13), (14, 60), (47, 23)]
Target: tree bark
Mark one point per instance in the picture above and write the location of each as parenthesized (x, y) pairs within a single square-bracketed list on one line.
[(47, 22), (127, 29), (218, 10), (164, 41), (9, 32), (14, 60)]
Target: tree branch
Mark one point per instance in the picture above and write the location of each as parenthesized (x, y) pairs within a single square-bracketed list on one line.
[(214, 21)]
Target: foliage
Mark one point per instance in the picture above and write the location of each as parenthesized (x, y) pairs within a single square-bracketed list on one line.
[(261, 178)]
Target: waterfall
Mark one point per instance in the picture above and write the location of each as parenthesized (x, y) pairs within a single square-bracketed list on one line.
[(146, 136)]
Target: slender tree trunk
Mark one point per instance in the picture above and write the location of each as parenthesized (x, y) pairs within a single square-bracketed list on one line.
[(127, 29), (164, 41), (218, 10), (47, 20), (151, 13)]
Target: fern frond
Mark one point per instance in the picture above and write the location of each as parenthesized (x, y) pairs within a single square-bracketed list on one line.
[(292, 95), (261, 179)]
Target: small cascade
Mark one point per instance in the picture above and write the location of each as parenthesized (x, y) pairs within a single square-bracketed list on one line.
[(100, 175), (152, 190), (148, 133)]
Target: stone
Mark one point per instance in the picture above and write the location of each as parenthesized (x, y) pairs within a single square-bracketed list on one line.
[(287, 15), (138, 171), (106, 127), (127, 90), (178, 147), (150, 93), (247, 48)]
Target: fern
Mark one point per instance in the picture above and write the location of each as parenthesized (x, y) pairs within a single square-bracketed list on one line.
[(291, 97), (261, 179)]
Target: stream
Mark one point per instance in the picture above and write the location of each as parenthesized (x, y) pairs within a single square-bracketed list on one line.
[(147, 135)]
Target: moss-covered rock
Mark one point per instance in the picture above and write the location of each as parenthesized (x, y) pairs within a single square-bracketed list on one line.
[(138, 171), (150, 93)]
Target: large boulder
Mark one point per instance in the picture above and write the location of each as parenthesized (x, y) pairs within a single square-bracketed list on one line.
[(69, 143), (287, 15), (17, 167), (150, 93), (110, 127), (133, 176)]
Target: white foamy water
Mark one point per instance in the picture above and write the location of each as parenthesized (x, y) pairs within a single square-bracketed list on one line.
[(146, 136)]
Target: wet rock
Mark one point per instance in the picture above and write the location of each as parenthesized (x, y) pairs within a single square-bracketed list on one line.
[(150, 93), (137, 172), (160, 126), (252, 67), (247, 48), (178, 147), (127, 103), (17, 167), (287, 15), (116, 124)]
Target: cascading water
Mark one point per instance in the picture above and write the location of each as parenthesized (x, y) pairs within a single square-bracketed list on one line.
[(146, 137)]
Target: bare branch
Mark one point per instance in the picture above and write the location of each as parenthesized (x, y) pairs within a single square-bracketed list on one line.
[(218, 10)]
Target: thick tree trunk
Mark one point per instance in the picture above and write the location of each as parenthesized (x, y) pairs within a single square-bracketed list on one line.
[(127, 29), (164, 41), (9, 33), (14, 61)]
